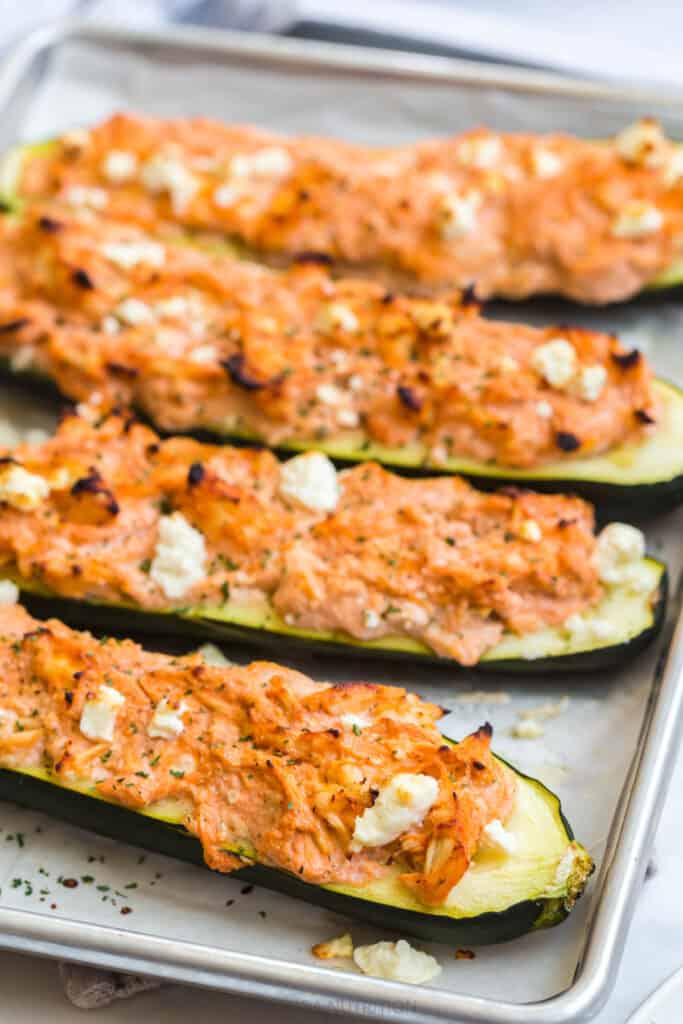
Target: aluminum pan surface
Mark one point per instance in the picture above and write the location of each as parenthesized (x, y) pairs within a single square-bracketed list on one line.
[(380, 98)]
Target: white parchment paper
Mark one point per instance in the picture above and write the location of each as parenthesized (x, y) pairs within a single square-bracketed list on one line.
[(584, 754)]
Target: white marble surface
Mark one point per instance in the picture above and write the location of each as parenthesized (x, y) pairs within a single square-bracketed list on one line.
[(31, 990)]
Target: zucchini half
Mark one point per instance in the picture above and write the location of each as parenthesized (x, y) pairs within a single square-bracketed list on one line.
[(498, 899), (637, 616)]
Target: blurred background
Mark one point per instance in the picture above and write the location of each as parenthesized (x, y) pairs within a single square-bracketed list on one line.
[(628, 40)]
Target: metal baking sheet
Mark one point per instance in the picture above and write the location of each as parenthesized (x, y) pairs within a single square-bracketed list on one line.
[(611, 753)]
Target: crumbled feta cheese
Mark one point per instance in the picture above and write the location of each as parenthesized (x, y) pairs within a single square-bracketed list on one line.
[(23, 359), (355, 721), (213, 655), (482, 152), (356, 382), (271, 162), (545, 163), (342, 946), (372, 619), (81, 195), (642, 143), (555, 361), (165, 172), (110, 325), (396, 961), (638, 219), (21, 489), (134, 311), (673, 169), (98, 718), (459, 214), (9, 592), (482, 697), (167, 722), (585, 631), (531, 531), (528, 729), (77, 138), (129, 254), (591, 382), (328, 394), (348, 418), (180, 557), (401, 804), (204, 354), (119, 166), (619, 548), (225, 196), (335, 316), (413, 614), (544, 409), (495, 834), (542, 712), (565, 867), (175, 306), (310, 479), (508, 365)]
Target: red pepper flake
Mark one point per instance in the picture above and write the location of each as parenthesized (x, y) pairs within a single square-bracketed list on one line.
[(126, 910), (245, 890), (49, 225), (236, 368), (195, 474), (70, 883), (643, 416), (14, 325), (82, 279), (464, 954)]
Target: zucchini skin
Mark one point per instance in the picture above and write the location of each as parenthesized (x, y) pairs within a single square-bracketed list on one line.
[(116, 822), (122, 621)]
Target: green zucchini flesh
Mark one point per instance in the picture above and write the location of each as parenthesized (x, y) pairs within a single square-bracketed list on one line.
[(499, 898), (636, 615)]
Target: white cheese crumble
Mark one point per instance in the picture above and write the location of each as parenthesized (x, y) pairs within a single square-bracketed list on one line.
[(98, 718), (271, 162), (555, 361), (355, 721), (174, 307), (638, 219), (180, 557), (482, 152), (401, 804), (213, 655), (544, 410), (583, 632), (590, 382), (542, 712), (545, 163), (328, 394), (508, 365), (527, 729), (119, 166), (372, 619), (673, 169), (204, 354), (81, 195), (496, 835), (458, 214), (165, 172), (310, 479), (110, 325), (356, 382), (396, 961), (620, 547), (335, 316), (134, 312), (21, 489), (348, 418), (642, 143), (341, 946), (531, 531), (127, 255), (9, 592), (225, 196), (167, 722)]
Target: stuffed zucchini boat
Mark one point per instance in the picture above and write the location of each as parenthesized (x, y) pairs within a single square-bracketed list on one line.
[(198, 341), (113, 521), (293, 783), (597, 221)]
